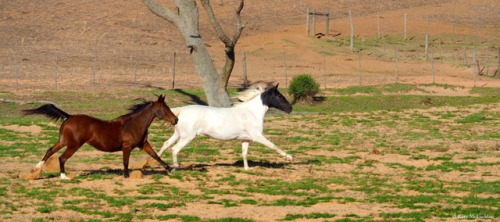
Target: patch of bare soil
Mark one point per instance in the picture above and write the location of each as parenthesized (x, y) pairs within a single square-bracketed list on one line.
[(52, 164), (34, 129)]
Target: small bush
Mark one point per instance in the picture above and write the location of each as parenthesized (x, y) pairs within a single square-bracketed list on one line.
[(303, 87)]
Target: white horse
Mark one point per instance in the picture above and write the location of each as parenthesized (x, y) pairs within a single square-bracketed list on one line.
[(244, 121)]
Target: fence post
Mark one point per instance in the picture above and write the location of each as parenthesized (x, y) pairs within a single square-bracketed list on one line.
[(453, 32), (245, 77), (94, 67), (426, 46), (324, 68), (56, 71), (286, 70), (327, 23), (307, 22), (396, 58), (352, 31), (405, 29), (465, 57), (135, 68), (16, 61), (314, 23), (474, 61), (359, 76), (173, 70), (498, 64), (433, 73), (378, 25)]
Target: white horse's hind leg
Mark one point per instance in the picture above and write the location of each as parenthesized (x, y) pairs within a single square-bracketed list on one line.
[(244, 152), (262, 140), (169, 142)]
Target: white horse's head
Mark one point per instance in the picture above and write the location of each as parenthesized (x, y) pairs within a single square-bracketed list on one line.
[(270, 97), (273, 98)]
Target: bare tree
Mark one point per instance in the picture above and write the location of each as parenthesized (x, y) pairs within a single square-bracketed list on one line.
[(186, 20)]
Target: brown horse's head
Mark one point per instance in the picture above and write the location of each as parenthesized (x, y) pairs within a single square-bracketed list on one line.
[(163, 112)]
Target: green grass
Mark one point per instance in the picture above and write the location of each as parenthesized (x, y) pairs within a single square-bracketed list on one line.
[(279, 187), (359, 90), (485, 91), (372, 145), (308, 216), (473, 118), (371, 103)]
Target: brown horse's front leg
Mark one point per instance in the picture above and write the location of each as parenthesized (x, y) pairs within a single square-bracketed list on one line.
[(126, 156), (48, 154), (152, 153)]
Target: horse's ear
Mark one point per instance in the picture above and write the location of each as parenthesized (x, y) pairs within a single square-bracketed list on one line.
[(277, 84), (161, 98)]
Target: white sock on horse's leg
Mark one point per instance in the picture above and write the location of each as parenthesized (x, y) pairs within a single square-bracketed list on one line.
[(244, 152), (40, 164), (64, 177)]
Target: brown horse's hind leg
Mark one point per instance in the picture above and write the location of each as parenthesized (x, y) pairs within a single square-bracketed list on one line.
[(126, 155), (48, 154), (65, 156), (147, 147)]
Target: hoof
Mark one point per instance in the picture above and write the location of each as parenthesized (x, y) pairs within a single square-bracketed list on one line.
[(173, 169), (289, 157), (64, 177), (136, 174)]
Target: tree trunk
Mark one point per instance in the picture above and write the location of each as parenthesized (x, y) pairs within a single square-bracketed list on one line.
[(186, 20)]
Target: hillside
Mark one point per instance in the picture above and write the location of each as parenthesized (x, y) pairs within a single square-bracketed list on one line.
[(121, 43)]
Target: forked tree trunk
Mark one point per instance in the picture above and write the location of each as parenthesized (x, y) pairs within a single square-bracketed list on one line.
[(186, 20)]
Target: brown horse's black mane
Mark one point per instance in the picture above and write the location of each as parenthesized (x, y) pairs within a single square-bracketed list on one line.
[(138, 107)]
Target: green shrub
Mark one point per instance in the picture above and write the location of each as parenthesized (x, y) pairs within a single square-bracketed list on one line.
[(303, 87)]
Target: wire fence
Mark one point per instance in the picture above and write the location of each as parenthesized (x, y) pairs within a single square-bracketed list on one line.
[(379, 54)]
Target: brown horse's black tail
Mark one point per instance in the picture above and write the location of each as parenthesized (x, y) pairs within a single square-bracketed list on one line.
[(48, 110)]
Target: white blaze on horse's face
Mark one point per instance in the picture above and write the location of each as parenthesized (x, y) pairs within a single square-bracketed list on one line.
[(244, 121)]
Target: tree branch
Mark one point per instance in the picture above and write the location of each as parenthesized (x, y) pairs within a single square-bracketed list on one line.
[(161, 11), (239, 25), (215, 23), (229, 43)]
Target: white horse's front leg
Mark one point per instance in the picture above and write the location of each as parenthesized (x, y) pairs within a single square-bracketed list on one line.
[(169, 142), (175, 150), (262, 140), (244, 152)]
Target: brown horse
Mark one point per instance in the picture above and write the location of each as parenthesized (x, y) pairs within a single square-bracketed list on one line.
[(123, 133)]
